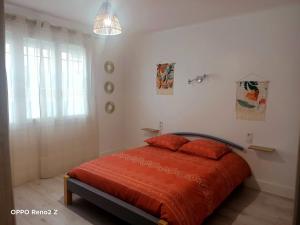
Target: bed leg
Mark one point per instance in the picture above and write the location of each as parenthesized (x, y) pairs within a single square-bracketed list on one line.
[(67, 193), (162, 222)]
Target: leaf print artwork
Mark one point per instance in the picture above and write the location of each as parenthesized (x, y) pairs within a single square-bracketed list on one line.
[(251, 100), (165, 79), (245, 104)]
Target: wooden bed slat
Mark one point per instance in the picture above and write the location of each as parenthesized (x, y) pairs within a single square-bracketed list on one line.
[(162, 222), (67, 193)]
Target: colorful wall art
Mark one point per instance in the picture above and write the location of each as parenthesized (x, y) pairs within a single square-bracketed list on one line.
[(165, 79), (251, 100)]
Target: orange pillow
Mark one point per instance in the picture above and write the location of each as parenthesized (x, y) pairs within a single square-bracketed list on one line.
[(205, 148), (170, 141)]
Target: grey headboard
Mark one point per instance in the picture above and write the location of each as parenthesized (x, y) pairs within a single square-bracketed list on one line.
[(189, 134)]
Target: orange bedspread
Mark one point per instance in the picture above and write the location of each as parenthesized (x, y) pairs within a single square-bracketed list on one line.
[(179, 188)]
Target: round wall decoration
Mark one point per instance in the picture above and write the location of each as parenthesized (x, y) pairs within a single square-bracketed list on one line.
[(109, 87), (109, 67), (110, 107)]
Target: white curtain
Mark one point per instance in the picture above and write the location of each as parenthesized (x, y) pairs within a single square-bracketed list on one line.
[(53, 124)]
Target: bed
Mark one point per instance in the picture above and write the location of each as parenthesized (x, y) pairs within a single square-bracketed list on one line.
[(151, 185)]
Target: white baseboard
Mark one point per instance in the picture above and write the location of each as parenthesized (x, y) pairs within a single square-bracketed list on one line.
[(272, 188)]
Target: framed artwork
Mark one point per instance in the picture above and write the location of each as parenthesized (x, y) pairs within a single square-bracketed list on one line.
[(251, 100), (165, 79)]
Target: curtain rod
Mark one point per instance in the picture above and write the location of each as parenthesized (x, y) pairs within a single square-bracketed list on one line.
[(41, 23)]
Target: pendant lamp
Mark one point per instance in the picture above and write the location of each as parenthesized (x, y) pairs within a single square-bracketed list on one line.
[(106, 22)]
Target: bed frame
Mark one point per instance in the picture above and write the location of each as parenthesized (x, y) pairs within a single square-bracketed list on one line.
[(115, 206)]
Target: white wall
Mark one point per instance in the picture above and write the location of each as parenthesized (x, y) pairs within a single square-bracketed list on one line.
[(111, 126), (266, 43)]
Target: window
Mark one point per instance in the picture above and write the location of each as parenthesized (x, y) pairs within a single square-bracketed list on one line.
[(53, 82), (74, 81), (40, 80)]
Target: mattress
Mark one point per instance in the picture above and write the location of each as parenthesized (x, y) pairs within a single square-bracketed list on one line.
[(179, 188)]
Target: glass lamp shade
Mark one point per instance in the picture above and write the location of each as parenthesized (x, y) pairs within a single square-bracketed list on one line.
[(106, 24)]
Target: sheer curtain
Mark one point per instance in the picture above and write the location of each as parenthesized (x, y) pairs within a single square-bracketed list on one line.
[(53, 124)]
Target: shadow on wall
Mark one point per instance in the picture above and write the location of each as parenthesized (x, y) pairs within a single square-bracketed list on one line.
[(273, 156)]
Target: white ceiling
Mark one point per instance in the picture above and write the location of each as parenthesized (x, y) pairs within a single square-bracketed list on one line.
[(149, 15)]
